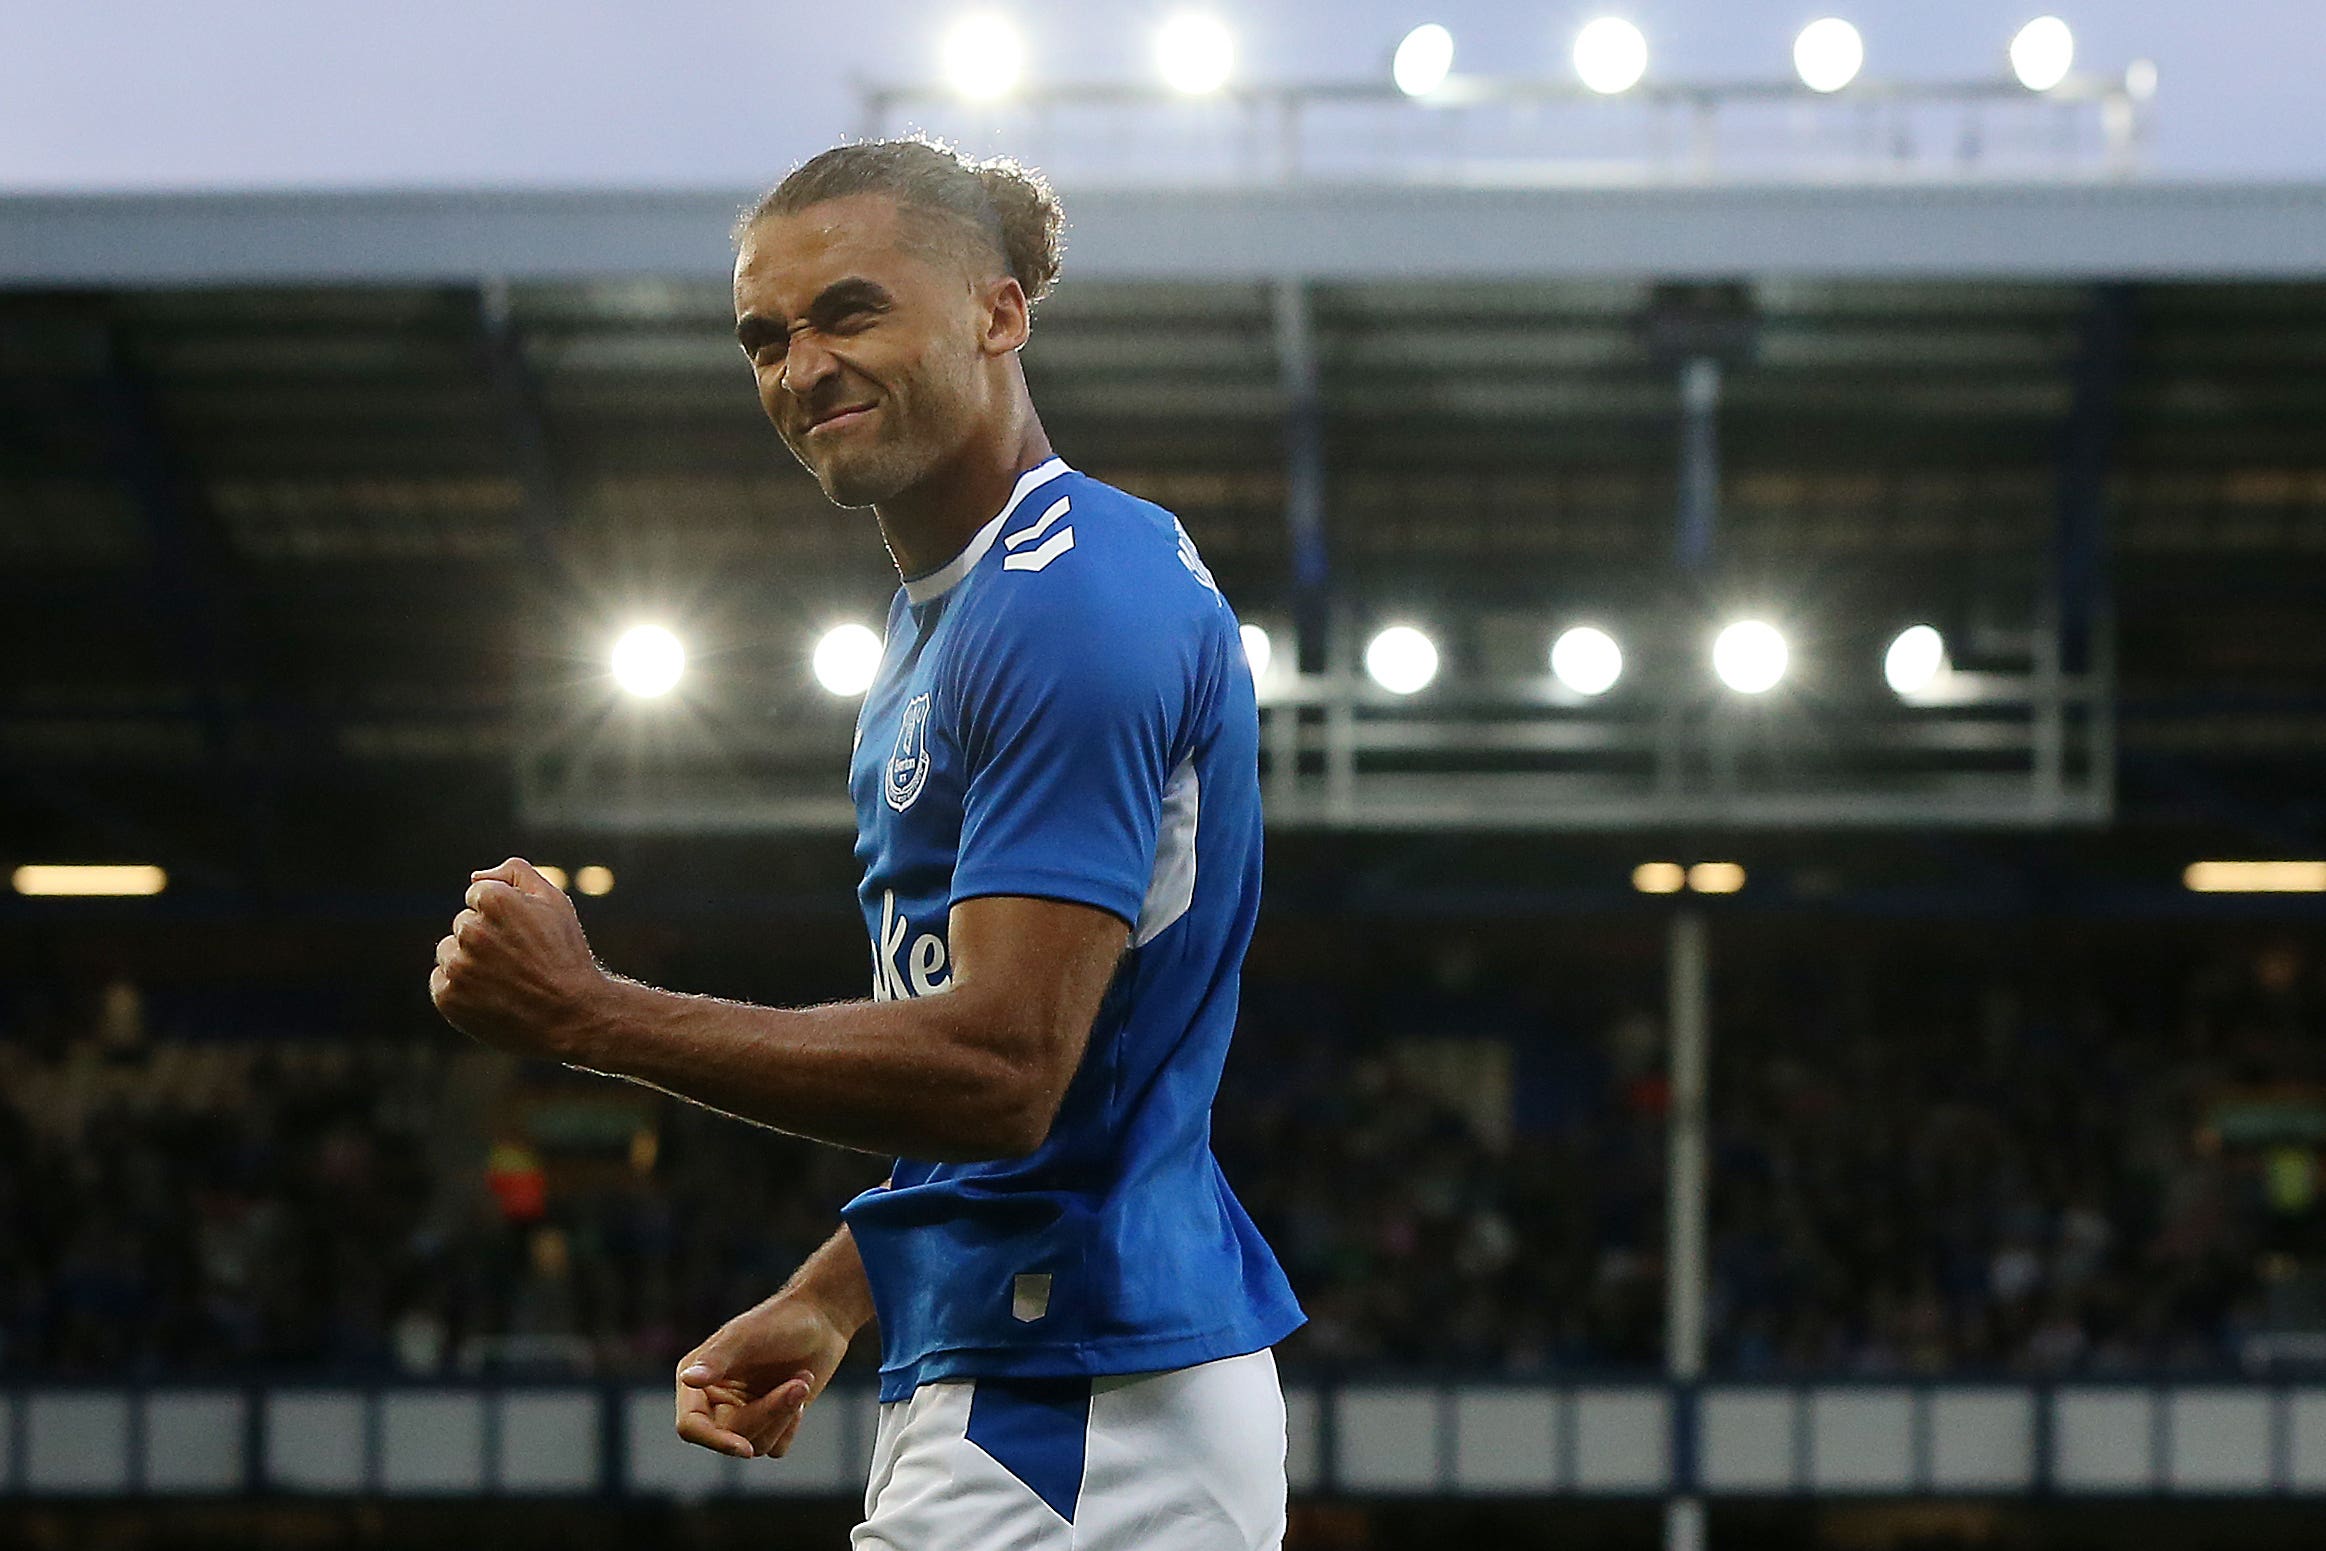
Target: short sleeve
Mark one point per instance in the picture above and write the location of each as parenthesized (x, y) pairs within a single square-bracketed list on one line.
[(1066, 717)]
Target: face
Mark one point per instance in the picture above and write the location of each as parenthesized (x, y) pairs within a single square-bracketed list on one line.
[(876, 348)]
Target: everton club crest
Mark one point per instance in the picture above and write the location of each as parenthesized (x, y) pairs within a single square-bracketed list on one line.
[(908, 767)]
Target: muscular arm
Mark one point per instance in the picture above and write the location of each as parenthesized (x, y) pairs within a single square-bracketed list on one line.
[(977, 1071)]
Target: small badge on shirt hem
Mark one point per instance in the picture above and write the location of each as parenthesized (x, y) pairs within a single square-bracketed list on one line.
[(1030, 1296)]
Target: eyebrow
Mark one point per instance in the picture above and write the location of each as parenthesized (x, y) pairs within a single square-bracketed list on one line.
[(835, 301)]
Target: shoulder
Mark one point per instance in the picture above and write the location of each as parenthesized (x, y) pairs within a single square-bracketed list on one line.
[(1080, 548), (1088, 583)]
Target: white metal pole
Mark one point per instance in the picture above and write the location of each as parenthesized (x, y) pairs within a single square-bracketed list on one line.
[(1688, 976)]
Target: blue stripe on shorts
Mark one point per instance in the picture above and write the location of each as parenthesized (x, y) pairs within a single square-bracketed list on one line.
[(1037, 1430)]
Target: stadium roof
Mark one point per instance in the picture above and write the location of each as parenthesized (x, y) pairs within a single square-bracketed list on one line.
[(2064, 229), (266, 553)]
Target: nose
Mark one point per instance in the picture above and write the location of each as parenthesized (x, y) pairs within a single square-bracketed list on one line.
[(805, 365)]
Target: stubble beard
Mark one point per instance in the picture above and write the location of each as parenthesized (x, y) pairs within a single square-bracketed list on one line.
[(879, 475), (903, 457), (868, 476)]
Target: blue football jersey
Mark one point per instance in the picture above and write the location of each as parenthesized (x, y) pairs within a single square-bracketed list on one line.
[(1064, 711)]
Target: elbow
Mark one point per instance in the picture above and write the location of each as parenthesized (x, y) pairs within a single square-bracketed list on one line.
[(1010, 1119), (1011, 1130), (1007, 1084), (1032, 1122)]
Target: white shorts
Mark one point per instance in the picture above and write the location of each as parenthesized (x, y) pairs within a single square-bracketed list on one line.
[(1188, 1460)]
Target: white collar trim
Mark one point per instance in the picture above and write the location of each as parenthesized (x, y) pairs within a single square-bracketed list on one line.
[(935, 584)]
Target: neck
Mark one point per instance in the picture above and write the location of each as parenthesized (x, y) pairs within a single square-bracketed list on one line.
[(935, 520)]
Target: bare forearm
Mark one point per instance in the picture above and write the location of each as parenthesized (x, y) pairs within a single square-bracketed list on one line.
[(833, 1279), (916, 1078)]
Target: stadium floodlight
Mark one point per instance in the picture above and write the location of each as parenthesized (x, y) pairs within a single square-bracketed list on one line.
[(2042, 53), (984, 57), (1749, 656), (2256, 877), (1915, 660), (1611, 55), (1659, 877), (2140, 80), (1423, 60), (1716, 877), (1586, 660), (648, 661), (1828, 54), (1196, 53), (554, 873), (1402, 660), (1259, 651), (594, 880), (847, 659), (105, 881)]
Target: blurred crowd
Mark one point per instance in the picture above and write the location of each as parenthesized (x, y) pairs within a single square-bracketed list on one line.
[(377, 1204), (1909, 1175), (2112, 1174)]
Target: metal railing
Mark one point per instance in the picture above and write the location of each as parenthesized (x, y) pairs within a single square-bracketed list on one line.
[(1500, 128), (1352, 1437)]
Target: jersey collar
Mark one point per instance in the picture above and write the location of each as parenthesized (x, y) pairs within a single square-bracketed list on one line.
[(932, 585)]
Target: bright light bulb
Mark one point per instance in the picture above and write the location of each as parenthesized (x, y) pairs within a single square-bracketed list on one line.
[(594, 880), (984, 57), (2256, 877), (1659, 877), (1258, 650), (1611, 55), (847, 659), (1423, 60), (1915, 660), (1716, 877), (648, 661), (1828, 54), (1586, 660), (97, 880), (1749, 656), (1196, 53), (2042, 53), (1401, 659)]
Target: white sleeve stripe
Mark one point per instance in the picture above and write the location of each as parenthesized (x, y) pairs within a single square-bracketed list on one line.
[(1028, 535), (1051, 548), (1171, 886)]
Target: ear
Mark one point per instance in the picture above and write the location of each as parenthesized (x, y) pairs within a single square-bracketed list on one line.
[(1008, 316)]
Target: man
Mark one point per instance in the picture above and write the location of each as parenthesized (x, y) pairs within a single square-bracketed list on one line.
[(1058, 815)]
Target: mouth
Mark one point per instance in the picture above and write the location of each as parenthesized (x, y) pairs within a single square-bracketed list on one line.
[(839, 418)]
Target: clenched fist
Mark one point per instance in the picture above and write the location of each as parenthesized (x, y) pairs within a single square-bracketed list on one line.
[(516, 971)]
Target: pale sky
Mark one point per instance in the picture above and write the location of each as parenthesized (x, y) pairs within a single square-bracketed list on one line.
[(227, 94)]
